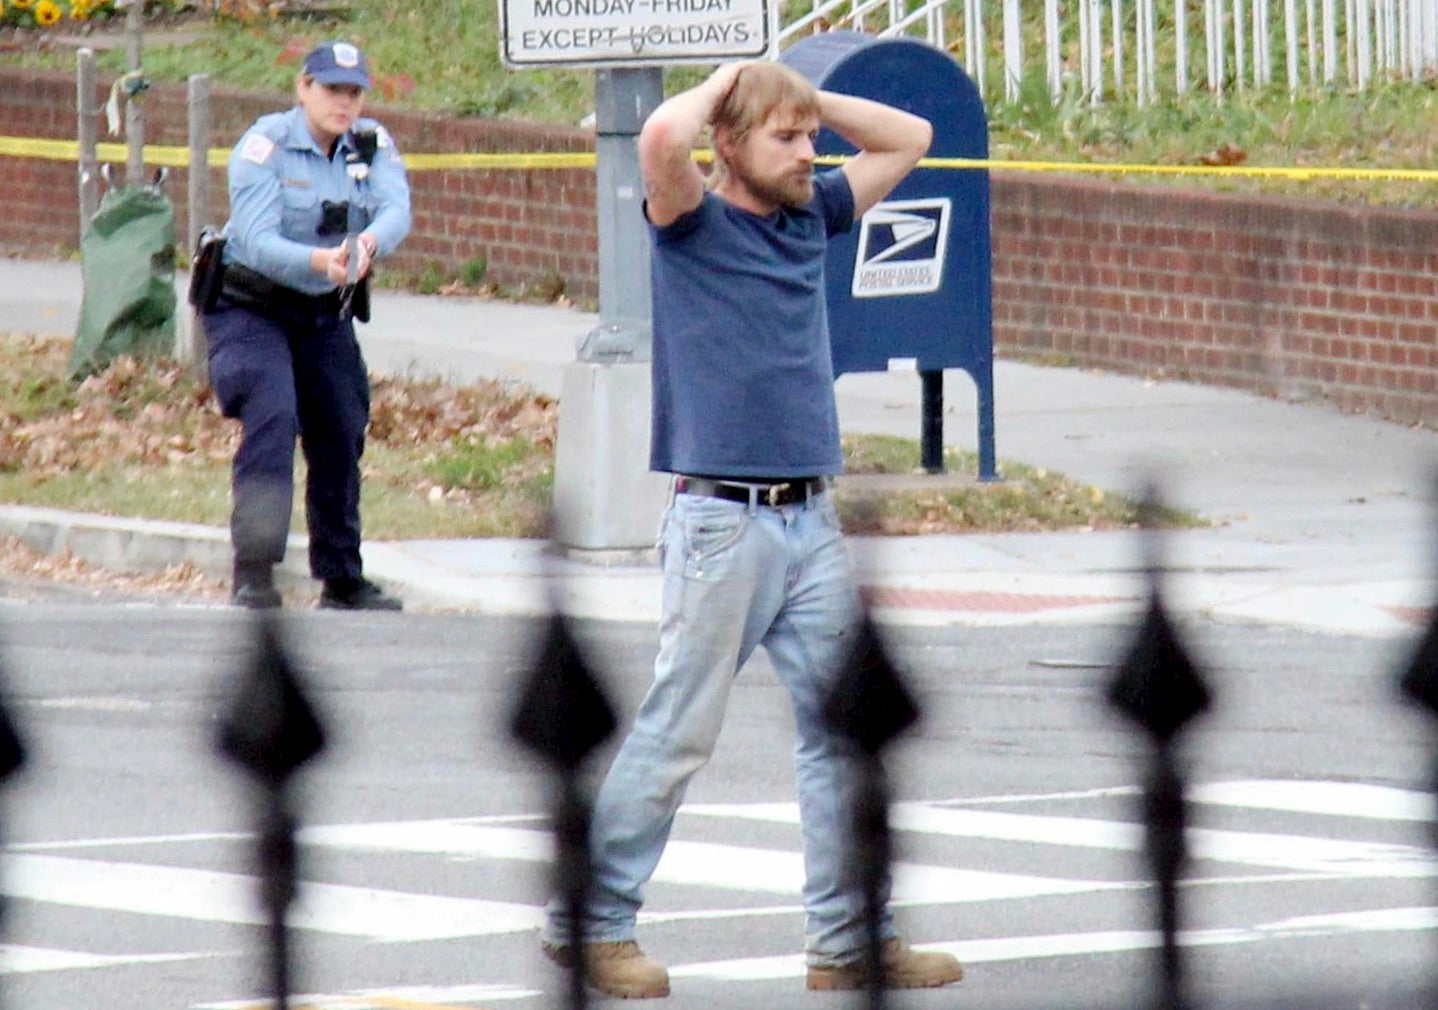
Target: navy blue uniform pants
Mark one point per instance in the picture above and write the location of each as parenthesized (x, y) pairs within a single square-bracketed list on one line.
[(288, 377)]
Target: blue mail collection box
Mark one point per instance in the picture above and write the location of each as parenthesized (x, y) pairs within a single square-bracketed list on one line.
[(911, 287)]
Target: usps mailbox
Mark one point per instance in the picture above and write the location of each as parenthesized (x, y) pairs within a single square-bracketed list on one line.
[(911, 286)]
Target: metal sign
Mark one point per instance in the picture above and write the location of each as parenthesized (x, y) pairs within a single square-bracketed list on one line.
[(594, 33)]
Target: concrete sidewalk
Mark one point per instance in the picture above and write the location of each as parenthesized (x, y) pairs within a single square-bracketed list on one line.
[(1323, 520)]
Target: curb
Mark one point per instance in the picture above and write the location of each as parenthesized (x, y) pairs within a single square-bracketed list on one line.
[(529, 579), (136, 545)]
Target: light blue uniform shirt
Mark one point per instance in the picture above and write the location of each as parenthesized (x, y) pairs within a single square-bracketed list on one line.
[(279, 180)]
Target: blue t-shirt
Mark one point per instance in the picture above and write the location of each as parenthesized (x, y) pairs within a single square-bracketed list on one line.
[(743, 378)]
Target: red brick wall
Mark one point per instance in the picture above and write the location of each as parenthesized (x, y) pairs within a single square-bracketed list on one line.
[(1293, 298), (528, 225), (1283, 297)]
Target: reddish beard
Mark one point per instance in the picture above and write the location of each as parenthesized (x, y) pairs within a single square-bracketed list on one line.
[(792, 189)]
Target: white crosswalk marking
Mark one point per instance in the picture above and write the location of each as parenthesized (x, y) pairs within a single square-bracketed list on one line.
[(407, 998), (184, 892), (229, 897), (728, 867), (17, 959), (1292, 852), (1332, 799), (1022, 948)]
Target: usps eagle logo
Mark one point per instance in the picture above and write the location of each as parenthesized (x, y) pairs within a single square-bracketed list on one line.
[(901, 248)]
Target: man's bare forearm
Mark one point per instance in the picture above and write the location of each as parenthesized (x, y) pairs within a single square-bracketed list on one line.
[(890, 142), (874, 126), (673, 184), (680, 120)]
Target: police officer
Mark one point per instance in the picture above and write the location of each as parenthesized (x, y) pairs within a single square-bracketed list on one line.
[(317, 194)]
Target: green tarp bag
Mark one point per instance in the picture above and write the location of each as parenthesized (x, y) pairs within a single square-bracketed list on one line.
[(128, 267)]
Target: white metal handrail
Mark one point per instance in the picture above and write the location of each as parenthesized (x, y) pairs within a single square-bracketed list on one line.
[(1115, 48)]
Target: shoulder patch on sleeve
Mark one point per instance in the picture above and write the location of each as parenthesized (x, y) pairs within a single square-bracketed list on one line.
[(384, 139), (257, 148)]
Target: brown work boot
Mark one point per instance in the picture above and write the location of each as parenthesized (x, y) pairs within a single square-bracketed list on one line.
[(904, 968), (616, 969)]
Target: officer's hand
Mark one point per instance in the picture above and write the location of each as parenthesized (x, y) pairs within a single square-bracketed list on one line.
[(330, 262), (338, 268)]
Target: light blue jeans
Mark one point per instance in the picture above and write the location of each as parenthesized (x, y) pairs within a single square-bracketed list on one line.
[(735, 577)]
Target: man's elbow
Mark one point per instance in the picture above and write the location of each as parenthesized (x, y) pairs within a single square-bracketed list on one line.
[(923, 137), (660, 143)]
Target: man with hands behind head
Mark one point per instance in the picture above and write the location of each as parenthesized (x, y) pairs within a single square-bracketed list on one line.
[(744, 416)]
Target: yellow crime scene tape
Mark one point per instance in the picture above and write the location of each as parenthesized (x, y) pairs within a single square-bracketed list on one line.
[(179, 157)]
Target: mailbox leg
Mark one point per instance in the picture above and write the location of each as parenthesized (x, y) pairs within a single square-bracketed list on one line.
[(931, 438), (988, 465)]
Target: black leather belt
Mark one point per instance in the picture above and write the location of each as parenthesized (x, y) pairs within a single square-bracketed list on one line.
[(783, 491), (251, 290)]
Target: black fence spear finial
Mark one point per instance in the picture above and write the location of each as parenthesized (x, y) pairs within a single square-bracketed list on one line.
[(869, 706), (562, 715), (271, 731), (1419, 685), (1158, 686), (12, 750)]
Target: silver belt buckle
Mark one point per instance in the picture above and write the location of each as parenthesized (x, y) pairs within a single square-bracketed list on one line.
[(773, 493)]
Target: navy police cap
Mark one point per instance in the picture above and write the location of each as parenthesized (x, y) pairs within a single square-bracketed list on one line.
[(338, 63)]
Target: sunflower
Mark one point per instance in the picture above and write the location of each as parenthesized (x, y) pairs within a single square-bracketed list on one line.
[(22, 4), (47, 12), (79, 10)]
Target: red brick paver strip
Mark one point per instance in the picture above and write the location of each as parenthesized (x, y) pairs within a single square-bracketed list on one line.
[(977, 601), (1410, 615)]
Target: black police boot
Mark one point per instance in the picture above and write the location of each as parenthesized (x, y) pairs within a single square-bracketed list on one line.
[(254, 587), (356, 594)]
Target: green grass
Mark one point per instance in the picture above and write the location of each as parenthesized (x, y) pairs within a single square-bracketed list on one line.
[(442, 55), (1023, 499), (197, 490), (479, 465), (184, 495), (510, 500), (145, 440), (40, 395), (510, 490), (391, 508), (1388, 126)]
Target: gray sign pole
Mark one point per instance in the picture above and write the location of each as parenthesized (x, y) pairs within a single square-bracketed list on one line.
[(605, 498), (87, 129), (190, 344), (623, 100), (134, 111)]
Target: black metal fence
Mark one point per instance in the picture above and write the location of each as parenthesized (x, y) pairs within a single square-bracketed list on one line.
[(269, 731)]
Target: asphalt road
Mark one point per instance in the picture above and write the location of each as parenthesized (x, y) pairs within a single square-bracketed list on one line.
[(425, 849)]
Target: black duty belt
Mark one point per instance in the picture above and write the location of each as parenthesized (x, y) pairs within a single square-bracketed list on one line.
[(251, 290), (758, 491)]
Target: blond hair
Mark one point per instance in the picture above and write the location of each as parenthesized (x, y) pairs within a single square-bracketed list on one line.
[(759, 90)]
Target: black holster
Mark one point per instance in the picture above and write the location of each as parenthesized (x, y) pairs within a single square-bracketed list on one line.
[(207, 270), (359, 304)]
